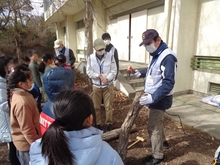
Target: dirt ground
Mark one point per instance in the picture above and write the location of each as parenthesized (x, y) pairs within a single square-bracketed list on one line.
[(190, 148)]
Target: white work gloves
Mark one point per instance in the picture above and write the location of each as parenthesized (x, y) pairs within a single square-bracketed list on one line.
[(137, 74), (217, 152), (146, 99)]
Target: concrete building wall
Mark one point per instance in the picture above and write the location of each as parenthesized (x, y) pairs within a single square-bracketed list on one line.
[(207, 42), (71, 34), (59, 31), (156, 19), (183, 41), (99, 24), (208, 35)]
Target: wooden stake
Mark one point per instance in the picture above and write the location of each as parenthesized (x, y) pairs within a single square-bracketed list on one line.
[(127, 125), (113, 134)]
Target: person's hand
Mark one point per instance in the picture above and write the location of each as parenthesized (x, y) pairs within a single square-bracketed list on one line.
[(103, 79), (146, 99), (137, 74)]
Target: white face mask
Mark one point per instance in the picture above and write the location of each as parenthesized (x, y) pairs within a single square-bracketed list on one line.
[(151, 48), (32, 87), (59, 49), (107, 42), (100, 52)]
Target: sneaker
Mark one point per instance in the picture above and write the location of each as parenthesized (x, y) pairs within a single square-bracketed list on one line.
[(165, 145), (108, 127), (151, 160)]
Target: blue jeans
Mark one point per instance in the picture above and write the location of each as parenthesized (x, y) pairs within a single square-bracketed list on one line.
[(23, 157)]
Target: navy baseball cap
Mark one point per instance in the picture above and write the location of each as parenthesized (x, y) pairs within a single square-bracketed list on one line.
[(148, 35)]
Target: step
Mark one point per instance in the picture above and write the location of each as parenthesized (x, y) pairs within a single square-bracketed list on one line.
[(136, 82), (139, 89), (131, 77)]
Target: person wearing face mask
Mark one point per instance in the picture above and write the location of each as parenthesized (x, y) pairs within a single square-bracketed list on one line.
[(101, 68), (110, 49), (158, 91), (24, 115), (61, 49)]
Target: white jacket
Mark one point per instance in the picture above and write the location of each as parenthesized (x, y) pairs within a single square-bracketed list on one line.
[(5, 130), (107, 67)]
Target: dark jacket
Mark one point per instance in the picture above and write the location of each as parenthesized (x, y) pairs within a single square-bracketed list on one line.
[(55, 80), (162, 97)]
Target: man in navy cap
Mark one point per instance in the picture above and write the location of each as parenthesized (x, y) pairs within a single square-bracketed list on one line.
[(158, 91)]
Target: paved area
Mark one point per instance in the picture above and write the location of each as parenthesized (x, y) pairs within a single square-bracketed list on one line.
[(197, 114)]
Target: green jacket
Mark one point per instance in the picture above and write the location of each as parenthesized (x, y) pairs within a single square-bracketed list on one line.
[(33, 66)]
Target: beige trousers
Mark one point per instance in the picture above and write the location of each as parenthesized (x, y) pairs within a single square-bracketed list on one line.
[(156, 132), (107, 94)]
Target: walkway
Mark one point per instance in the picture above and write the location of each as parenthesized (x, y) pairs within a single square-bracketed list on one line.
[(197, 114)]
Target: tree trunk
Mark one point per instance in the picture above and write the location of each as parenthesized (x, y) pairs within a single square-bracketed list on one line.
[(18, 49), (113, 134), (88, 20), (127, 125)]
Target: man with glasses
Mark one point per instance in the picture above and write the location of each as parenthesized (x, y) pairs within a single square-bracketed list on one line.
[(101, 68)]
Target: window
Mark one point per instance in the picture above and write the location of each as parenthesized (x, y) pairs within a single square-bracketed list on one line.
[(80, 24)]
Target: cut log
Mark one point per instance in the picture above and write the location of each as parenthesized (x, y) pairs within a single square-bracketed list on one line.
[(113, 134), (127, 125)]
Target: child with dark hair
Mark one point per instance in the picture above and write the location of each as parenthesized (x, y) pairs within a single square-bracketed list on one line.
[(47, 60), (61, 61), (71, 139), (45, 65), (25, 61), (24, 115), (5, 130)]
